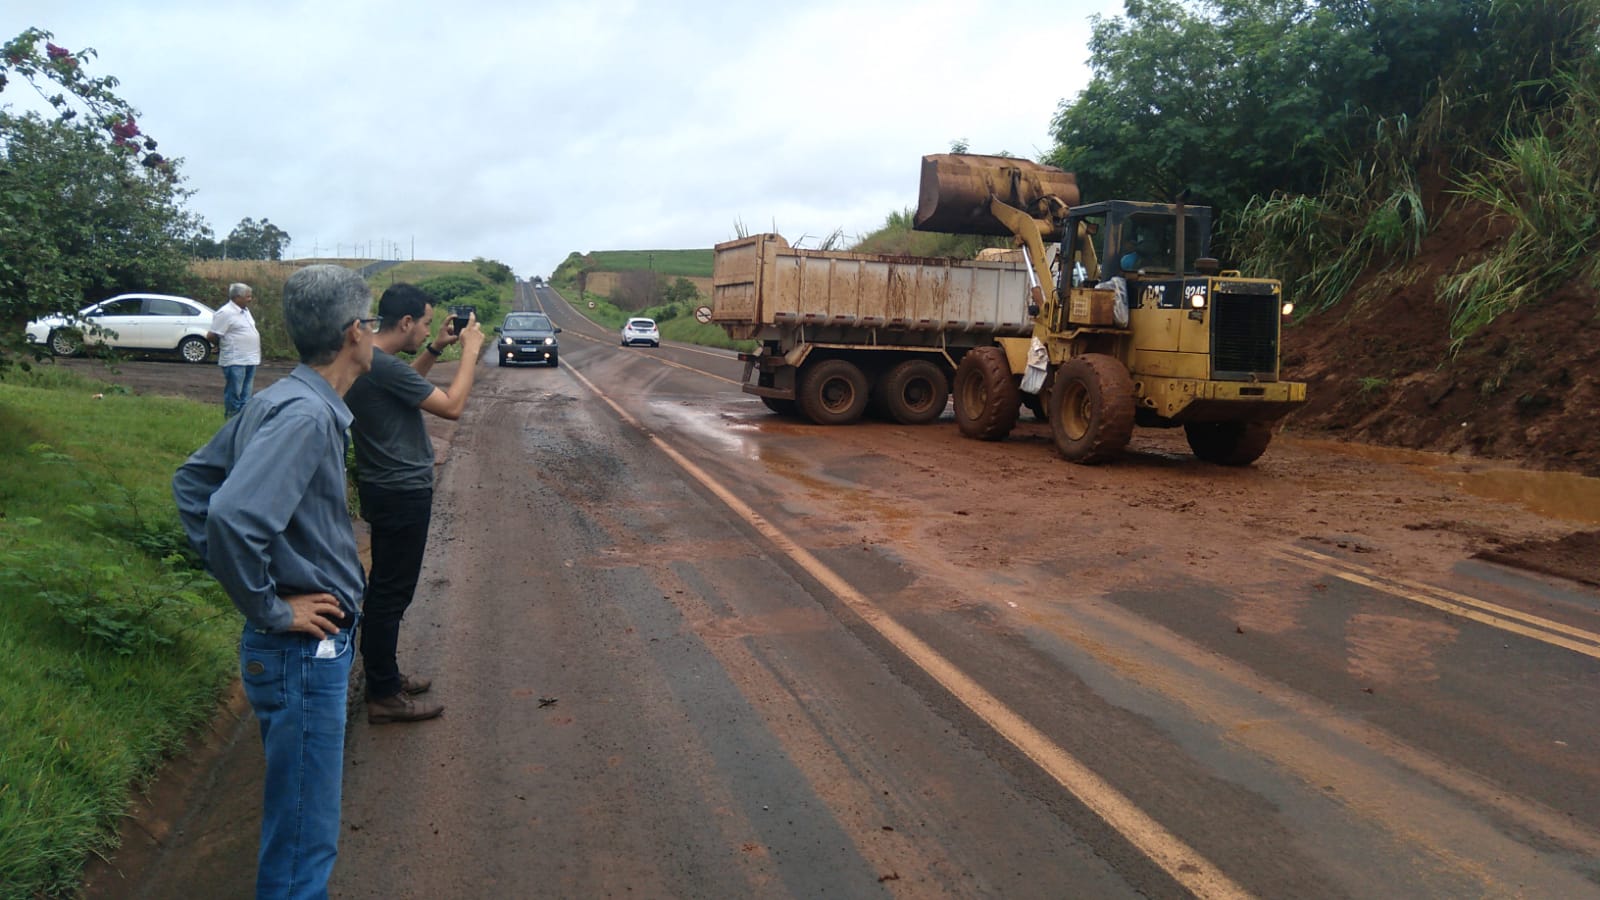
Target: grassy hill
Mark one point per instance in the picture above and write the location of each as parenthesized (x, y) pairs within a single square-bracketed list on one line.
[(688, 263)]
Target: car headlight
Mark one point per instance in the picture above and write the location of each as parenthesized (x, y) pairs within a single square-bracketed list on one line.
[(549, 342), (507, 341), (1288, 309)]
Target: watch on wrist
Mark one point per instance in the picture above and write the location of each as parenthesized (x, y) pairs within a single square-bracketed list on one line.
[(434, 350)]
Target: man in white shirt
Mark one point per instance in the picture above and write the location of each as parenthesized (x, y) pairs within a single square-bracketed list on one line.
[(233, 329)]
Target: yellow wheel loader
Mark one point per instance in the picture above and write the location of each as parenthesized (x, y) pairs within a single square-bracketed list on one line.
[(1134, 324)]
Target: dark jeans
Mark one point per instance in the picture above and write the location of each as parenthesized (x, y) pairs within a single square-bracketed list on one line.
[(399, 521)]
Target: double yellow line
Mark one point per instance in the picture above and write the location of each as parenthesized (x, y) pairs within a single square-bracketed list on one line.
[(1556, 634)]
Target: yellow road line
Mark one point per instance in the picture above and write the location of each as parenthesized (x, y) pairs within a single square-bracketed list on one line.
[(1556, 634), (1182, 863)]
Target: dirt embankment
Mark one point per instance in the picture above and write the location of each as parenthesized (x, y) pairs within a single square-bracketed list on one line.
[(1524, 389)]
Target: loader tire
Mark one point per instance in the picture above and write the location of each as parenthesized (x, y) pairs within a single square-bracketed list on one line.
[(1228, 443), (1092, 414), (987, 397), (832, 392), (915, 392)]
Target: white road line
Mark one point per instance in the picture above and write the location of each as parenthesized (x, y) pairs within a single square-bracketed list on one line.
[(1180, 861)]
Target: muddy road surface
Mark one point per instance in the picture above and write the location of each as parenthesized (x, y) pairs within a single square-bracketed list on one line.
[(689, 648)]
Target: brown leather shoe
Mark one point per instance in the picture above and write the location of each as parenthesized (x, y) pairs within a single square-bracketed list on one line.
[(402, 707), (415, 684)]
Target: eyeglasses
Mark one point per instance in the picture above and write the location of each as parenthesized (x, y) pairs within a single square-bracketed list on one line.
[(371, 324)]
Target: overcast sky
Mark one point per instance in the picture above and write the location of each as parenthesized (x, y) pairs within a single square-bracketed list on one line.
[(522, 131)]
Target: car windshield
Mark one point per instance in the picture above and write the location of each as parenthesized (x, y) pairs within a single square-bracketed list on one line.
[(528, 323), (642, 324)]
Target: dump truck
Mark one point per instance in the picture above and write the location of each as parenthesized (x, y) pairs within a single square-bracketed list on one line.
[(1129, 321)]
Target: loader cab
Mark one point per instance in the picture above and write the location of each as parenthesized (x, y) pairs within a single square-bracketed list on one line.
[(1123, 237)]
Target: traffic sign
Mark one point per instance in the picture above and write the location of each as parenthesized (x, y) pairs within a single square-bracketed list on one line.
[(702, 314)]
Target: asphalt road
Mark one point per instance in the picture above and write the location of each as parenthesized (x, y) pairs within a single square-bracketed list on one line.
[(688, 648)]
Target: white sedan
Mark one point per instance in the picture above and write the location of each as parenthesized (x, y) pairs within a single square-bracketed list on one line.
[(157, 322)]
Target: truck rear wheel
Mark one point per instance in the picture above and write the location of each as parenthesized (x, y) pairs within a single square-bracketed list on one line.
[(781, 407), (832, 392), (1092, 418), (1228, 443), (915, 392), (987, 397)]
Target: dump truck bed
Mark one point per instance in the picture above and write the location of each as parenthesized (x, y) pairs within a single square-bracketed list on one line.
[(760, 283)]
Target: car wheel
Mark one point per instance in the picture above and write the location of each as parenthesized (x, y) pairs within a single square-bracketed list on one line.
[(64, 343), (656, 345), (502, 359), (553, 362), (194, 349)]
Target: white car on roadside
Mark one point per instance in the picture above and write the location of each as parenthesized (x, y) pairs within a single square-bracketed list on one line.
[(641, 331), (142, 322)]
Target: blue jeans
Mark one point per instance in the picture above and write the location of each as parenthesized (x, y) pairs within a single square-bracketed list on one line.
[(237, 382), (299, 701)]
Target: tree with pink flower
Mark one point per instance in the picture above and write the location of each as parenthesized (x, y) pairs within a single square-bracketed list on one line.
[(90, 208)]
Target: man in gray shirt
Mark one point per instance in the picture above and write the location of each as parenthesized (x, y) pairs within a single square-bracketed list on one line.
[(264, 504), (394, 477)]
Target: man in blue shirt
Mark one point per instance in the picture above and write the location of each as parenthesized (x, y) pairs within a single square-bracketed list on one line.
[(264, 504)]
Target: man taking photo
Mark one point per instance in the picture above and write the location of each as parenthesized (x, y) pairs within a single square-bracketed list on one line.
[(394, 479)]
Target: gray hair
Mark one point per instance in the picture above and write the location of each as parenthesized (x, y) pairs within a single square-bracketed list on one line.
[(319, 303), (239, 289)]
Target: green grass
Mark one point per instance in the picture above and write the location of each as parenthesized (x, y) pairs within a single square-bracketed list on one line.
[(689, 263), (109, 653)]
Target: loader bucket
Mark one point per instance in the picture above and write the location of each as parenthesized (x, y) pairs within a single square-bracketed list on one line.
[(956, 187)]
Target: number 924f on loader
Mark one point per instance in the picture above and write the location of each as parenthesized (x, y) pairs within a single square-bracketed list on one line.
[(1138, 324)]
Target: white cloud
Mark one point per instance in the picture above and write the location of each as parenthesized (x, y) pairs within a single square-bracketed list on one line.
[(522, 132)]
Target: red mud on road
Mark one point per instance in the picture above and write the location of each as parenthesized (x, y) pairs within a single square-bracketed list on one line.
[(991, 505)]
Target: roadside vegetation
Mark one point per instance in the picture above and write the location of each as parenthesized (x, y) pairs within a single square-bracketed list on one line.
[(484, 284), (1334, 138), (113, 644), (675, 319), (653, 284), (896, 237)]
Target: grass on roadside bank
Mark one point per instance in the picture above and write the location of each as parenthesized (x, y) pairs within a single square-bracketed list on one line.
[(113, 646), (676, 320)]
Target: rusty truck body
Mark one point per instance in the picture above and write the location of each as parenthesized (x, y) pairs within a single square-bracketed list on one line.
[(841, 332)]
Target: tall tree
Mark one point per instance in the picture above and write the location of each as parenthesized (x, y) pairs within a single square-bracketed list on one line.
[(87, 205), (256, 240), (1233, 99)]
